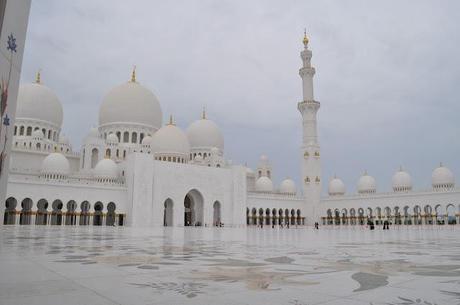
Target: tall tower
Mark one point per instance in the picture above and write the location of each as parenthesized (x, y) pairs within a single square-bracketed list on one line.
[(310, 150)]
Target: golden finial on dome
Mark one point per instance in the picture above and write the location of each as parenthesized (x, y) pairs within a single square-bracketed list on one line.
[(38, 77), (133, 75), (305, 38), (203, 114)]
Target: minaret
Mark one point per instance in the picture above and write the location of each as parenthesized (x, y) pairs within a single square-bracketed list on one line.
[(310, 150)]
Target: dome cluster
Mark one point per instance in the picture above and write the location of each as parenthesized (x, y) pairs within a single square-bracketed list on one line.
[(441, 179), (264, 183)]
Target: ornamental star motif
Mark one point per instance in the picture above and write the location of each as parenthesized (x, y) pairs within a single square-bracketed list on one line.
[(6, 120), (11, 43)]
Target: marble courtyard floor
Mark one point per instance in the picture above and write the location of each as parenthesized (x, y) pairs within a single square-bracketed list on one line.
[(105, 265)]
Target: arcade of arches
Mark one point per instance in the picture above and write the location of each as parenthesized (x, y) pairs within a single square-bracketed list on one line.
[(54, 214), (275, 217), (417, 215)]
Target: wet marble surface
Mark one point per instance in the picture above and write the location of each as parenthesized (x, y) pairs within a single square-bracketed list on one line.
[(107, 265)]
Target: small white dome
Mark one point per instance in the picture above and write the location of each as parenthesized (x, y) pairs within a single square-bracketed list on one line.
[(38, 102), (147, 140), (336, 187), (264, 184), (170, 140), (288, 187), (401, 181), (205, 134), (55, 163), (131, 103), (37, 134), (442, 178), (112, 138), (366, 184), (106, 169)]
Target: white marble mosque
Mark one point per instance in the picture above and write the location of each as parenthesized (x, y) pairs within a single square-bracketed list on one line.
[(134, 170), (145, 213)]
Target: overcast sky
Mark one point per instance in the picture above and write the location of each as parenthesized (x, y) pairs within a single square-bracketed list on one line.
[(387, 75)]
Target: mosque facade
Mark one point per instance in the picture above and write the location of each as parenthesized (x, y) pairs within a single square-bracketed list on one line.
[(134, 170)]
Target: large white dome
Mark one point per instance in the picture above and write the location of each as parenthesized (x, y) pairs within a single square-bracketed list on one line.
[(442, 178), (170, 140), (336, 187), (205, 134), (38, 102), (366, 184), (264, 184), (106, 169), (55, 164), (401, 181), (131, 103), (287, 186)]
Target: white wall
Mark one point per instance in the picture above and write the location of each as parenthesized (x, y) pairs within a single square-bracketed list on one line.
[(150, 183)]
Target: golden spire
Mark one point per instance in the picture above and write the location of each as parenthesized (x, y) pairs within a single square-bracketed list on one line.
[(305, 38), (133, 75), (203, 114), (38, 77)]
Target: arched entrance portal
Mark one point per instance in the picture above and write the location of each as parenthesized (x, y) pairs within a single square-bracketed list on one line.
[(168, 213), (216, 219), (193, 209)]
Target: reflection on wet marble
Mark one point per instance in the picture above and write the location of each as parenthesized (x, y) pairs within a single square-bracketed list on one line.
[(65, 265)]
